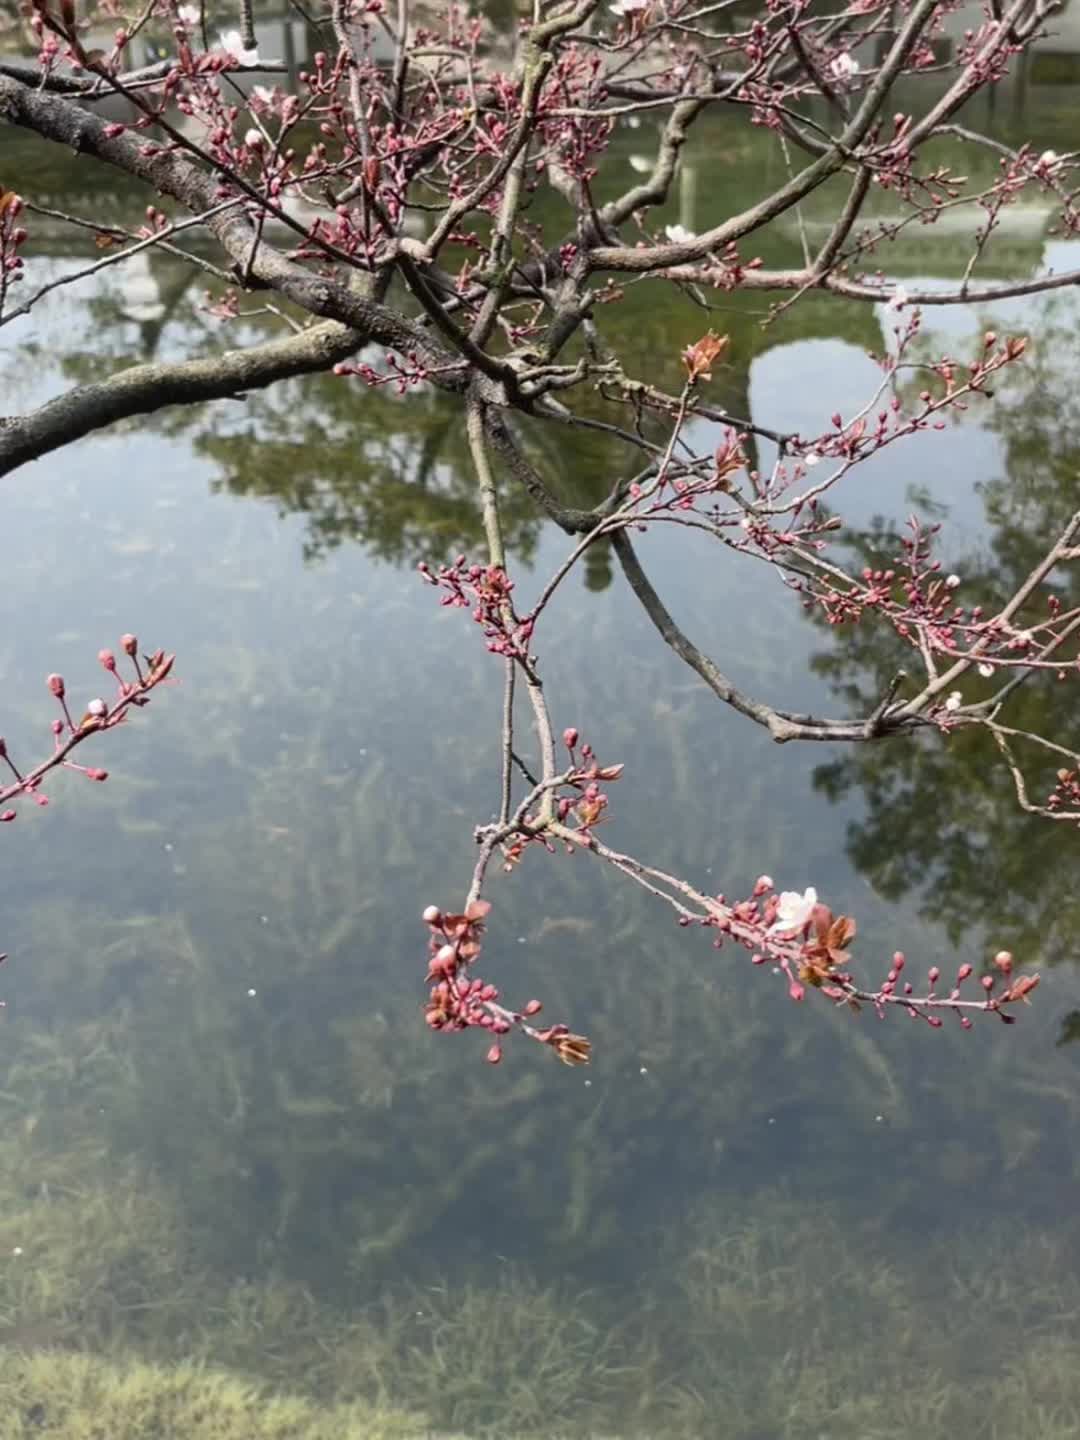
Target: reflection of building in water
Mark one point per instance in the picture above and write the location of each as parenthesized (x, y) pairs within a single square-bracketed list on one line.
[(140, 295), (1054, 56), (1040, 86)]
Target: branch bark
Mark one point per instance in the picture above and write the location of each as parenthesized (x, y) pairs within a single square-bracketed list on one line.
[(143, 389)]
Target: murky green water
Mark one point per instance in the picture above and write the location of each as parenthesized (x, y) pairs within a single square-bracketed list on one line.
[(225, 1134)]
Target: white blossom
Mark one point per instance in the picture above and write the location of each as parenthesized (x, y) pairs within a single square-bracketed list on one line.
[(843, 67), (262, 94), (679, 234), (794, 911), (627, 7), (952, 581), (188, 14), (254, 139), (954, 700), (898, 299), (1049, 158), (986, 670), (811, 458), (231, 41), (641, 163)]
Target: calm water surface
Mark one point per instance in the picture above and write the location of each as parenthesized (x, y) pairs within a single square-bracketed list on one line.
[(225, 1135)]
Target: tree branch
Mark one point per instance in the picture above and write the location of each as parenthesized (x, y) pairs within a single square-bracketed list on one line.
[(143, 389)]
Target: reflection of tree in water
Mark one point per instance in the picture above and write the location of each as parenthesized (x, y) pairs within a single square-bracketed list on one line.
[(365, 467), (943, 819), (394, 474)]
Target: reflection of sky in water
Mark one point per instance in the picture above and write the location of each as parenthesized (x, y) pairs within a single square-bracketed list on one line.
[(276, 822)]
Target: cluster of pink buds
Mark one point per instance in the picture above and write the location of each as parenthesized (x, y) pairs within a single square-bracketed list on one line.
[(809, 946), (402, 374), (458, 1001), (12, 236), (99, 715), (588, 805), (1066, 791), (487, 591), (921, 604)]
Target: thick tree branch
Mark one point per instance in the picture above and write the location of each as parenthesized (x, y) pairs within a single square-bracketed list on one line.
[(780, 725), (173, 174), (145, 388), (634, 259)]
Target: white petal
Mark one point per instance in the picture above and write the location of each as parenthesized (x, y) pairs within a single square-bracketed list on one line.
[(794, 911)]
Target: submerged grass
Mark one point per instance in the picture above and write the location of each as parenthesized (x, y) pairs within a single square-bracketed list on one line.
[(757, 1321), (84, 1397)]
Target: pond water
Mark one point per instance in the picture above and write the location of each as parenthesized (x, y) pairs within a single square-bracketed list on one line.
[(226, 1136)]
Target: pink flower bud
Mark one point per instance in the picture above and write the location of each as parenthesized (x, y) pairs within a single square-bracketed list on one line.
[(1004, 961), (3, 748), (56, 685), (7, 816), (97, 774), (935, 1021), (987, 982), (762, 885), (965, 1023), (933, 974), (129, 644), (432, 915), (108, 659), (533, 1007), (570, 737), (963, 973), (898, 960), (796, 991), (58, 727)]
